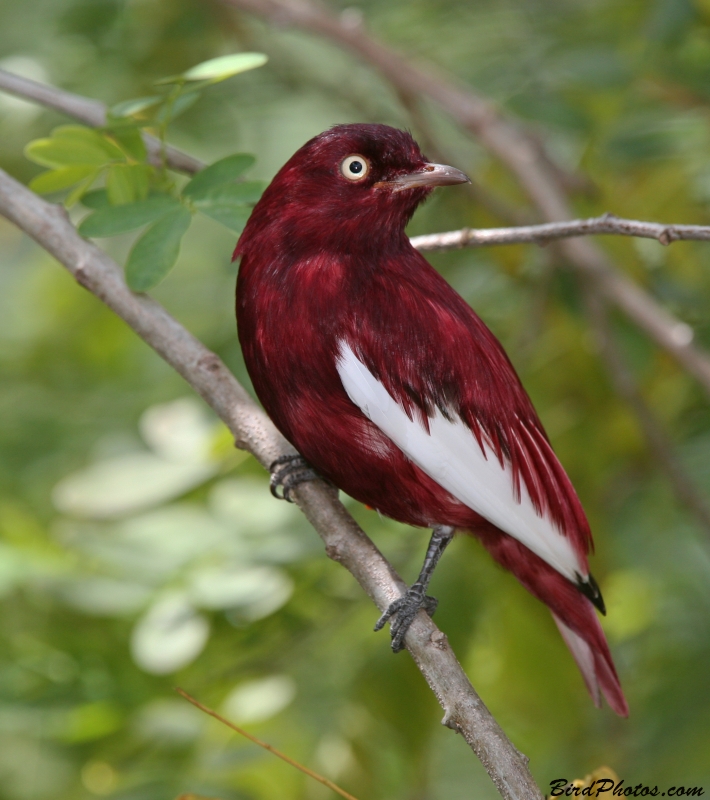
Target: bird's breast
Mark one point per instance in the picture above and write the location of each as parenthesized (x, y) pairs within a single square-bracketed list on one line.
[(290, 315)]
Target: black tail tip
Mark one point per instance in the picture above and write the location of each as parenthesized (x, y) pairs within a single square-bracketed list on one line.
[(590, 589)]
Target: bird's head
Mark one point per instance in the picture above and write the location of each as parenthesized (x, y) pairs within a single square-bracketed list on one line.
[(351, 184)]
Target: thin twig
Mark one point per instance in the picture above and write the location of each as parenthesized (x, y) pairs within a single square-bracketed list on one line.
[(265, 745), (658, 441), (344, 540), (504, 138), (92, 113), (552, 231)]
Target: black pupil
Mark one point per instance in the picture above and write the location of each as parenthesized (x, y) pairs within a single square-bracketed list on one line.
[(356, 167)]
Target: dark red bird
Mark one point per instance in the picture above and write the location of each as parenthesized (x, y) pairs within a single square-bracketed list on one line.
[(392, 388)]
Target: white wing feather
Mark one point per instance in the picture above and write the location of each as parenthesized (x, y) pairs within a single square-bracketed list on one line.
[(450, 455)]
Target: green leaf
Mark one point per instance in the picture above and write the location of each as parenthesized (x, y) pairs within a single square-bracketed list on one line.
[(130, 140), (230, 215), (114, 220), (76, 194), (127, 183), (130, 107), (71, 145), (58, 179), (219, 69), (156, 251), (238, 194), (96, 199), (223, 171), (65, 153), (87, 137), (82, 133)]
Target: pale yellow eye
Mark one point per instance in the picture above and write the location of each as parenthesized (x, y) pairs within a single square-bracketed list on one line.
[(355, 168)]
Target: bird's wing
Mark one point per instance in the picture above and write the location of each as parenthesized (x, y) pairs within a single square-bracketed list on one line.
[(517, 484)]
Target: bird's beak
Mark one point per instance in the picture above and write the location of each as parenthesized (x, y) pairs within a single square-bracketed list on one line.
[(431, 175)]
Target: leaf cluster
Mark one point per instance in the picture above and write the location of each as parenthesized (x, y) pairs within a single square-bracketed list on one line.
[(136, 193)]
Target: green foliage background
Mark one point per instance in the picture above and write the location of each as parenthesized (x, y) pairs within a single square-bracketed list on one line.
[(111, 576)]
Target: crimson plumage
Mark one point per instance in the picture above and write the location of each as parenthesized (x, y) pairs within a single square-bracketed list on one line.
[(390, 385)]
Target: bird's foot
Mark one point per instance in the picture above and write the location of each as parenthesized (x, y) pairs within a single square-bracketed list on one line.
[(406, 608), (287, 472)]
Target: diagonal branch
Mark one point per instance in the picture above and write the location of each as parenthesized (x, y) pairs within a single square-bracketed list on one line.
[(344, 540), (505, 139), (658, 441), (90, 112)]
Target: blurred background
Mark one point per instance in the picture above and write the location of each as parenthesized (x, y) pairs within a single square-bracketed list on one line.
[(140, 551)]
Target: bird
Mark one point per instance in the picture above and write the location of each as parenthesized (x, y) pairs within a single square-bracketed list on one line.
[(391, 387)]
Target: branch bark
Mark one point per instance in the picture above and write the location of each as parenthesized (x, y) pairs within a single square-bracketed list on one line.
[(503, 138), (92, 113), (610, 224), (344, 540)]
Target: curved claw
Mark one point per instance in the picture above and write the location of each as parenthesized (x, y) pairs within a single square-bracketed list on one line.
[(406, 608), (286, 473)]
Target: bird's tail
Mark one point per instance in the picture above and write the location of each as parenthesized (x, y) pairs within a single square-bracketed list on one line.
[(572, 611), (594, 662)]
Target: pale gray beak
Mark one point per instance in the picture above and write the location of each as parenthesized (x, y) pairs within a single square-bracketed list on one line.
[(431, 175)]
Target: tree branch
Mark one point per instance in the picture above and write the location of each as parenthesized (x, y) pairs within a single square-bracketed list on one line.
[(505, 139), (552, 231), (344, 540), (92, 113)]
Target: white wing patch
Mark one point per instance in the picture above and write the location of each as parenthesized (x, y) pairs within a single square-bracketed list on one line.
[(450, 455)]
